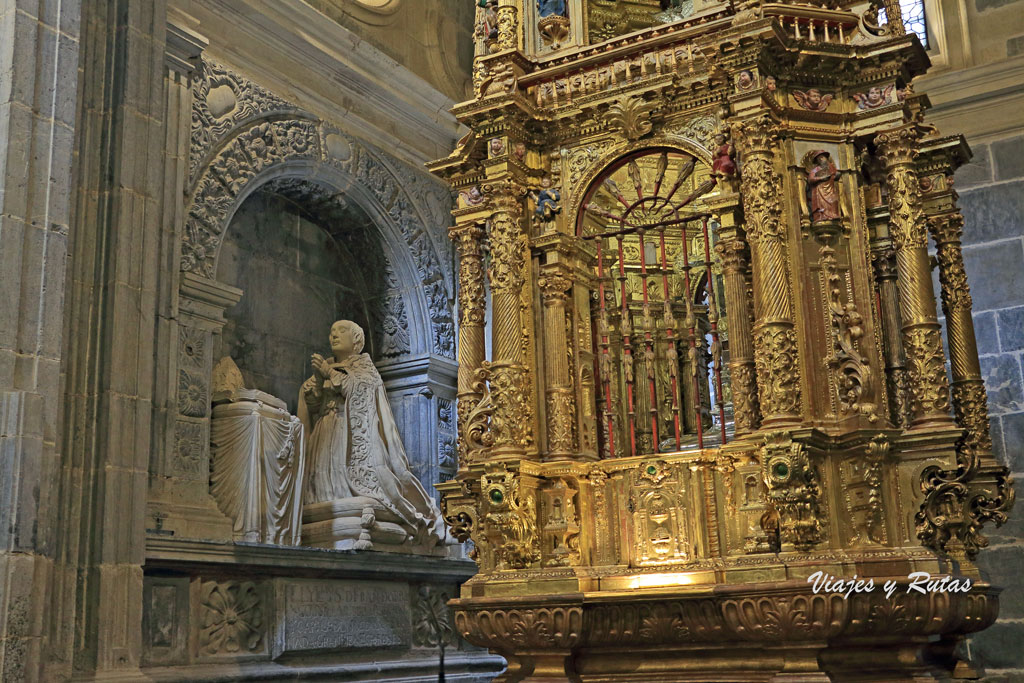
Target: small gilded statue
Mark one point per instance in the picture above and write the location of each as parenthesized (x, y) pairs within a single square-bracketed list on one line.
[(547, 200), (723, 163), (354, 450), (822, 186)]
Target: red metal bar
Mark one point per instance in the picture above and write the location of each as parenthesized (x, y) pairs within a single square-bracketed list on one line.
[(670, 322), (627, 351), (606, 362), (649, 342), (713, 319), (691, 322)]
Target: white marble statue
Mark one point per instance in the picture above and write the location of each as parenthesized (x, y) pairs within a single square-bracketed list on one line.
[(360, 491), (256, 469)]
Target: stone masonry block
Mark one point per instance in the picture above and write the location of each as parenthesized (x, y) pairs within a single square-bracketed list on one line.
[(1013, 443), (996, 274), (1003, 383), (984, 5), (1008, 156), (998, 646), (12, 236), (978, 171), (985, 333), (1005, 566), (1015, 46), (993, 212), (1011, 329)]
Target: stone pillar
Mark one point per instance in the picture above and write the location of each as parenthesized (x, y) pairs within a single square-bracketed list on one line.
[(472, 318), (774, 336), (110, 369), (554, 286), (922, 341), (732, 250), (970, 404), (508, 376), (39, 64)]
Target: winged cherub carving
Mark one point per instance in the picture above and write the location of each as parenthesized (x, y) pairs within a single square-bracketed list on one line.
[(813, 99)]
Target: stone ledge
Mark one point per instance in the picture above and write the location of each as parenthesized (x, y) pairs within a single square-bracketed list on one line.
[(272, 560), (461, 667)]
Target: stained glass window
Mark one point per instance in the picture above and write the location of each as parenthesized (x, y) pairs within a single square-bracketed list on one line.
[(913, 18)]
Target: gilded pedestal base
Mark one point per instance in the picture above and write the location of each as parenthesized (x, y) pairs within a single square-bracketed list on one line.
[(776, 631)]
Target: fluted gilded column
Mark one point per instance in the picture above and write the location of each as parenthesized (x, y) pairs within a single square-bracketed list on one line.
[(969, 400), (775, 344), (732, 250), (922, 341), (554, 287), (897, 387), (472, 318), (511, 419)]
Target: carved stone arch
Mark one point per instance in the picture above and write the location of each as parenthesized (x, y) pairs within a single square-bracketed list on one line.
[(270, 148), (323, 190), (239, 129), (670, 141)]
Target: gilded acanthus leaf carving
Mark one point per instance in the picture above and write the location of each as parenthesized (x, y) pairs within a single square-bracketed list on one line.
[(632, 116)]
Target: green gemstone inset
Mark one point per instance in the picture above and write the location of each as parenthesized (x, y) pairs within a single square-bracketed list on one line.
[(497, 496), (651, 469), (781, 470)]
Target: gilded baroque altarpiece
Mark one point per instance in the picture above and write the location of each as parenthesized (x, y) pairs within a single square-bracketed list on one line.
[(697, 238)]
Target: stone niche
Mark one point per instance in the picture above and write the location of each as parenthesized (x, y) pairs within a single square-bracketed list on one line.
[(290, 224)]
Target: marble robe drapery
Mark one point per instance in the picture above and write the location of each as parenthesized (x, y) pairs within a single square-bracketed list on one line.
[(354, 448)]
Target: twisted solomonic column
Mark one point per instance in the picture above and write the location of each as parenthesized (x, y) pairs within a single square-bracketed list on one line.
[(776, 356), (908, 230), (970, 404), (472, 318), (732, 250), (555, 286), (897, 387), (508, 377)]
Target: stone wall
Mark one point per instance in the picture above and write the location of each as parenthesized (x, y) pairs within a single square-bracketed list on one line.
[(992, 198)]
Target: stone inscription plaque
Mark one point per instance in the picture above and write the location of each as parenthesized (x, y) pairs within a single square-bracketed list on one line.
[(320, 615)]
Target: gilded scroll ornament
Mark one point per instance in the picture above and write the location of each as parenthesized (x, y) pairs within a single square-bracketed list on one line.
[(853, 374), (509, 519), (793, 490)]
